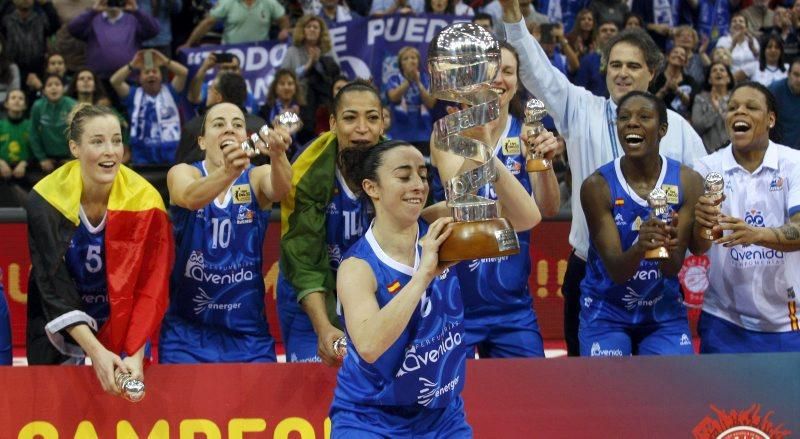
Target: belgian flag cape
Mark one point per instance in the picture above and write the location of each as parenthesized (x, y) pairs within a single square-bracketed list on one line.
[(139, 253), (304, 253)]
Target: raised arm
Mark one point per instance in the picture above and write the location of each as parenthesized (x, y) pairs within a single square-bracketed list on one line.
[(190, 190), (196, 84), (273, 181)]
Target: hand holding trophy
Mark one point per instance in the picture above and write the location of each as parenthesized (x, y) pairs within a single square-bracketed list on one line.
[(660, 210), (714, 186), (534, 113), (130, 388), (463, 59)]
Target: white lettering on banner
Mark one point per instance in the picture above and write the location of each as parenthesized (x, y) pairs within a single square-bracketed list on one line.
[(339, 39), (409, 30)]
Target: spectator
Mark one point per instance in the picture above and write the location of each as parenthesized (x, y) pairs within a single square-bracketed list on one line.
[(609, 10), (440, 7), (386, 112), (410, 101), (483, 20), (226, 87), (113, 35), (313, 60), (380, 8), (787, 102), (772, 66), (714, 18), (529, 13), (54, 66), (750, 305), (759, 16), (101, 251), (783, 27), (162, 11), (590, 72), (660, 18), (552, 45), (48, 124), (711, 106), (672, 86), (26, 30), (73, 49), (743, 45), (582, 36), (334, 13), (229, 191), (9, 73), (696, 58), (284, 95), (462, 9), (86, 88), (152, 106), (15, 145), (634, 20), (198, 87), (722, 55), (584, 119), (246, 21)]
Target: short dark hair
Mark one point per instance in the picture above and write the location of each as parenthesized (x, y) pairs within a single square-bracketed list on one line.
[(232, 88), (772, 105), (640, 39), (661, 107), (361, 162), (353, 86), (482, 16), (707, 85)]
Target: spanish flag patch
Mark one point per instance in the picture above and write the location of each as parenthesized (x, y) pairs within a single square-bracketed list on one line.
[(394, 286), (619, 202)]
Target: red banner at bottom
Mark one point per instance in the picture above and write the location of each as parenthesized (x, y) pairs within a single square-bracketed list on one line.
[(692, 396)]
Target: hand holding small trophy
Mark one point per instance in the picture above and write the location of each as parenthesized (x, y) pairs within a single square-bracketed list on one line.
[(130, 388), (290, 121), (340, 347), (660, 210), (249, 145), (714, 186), (534, 113)]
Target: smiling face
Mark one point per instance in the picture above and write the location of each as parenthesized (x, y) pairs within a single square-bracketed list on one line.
[(150, 80), (718, 75), (586, 21), (409, 61), (505, 83), (100, 149), (639, 127), (224, 128), (748, 119), (402, 184), (738, 24), (677, 57), (358, 119), (626, 70)]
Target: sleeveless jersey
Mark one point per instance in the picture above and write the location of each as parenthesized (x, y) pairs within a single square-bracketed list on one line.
[(86, 263), (425, 366), (493, 288), (648, 296), (217, 278), (345, 220)]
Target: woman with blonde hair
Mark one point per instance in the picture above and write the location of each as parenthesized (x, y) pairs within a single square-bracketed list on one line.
[(310, 57)]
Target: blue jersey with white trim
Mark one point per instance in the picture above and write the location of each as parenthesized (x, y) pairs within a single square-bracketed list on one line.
[(648, 296), (86, 263), (424, 367), (217, 279), (493, 288), (345, 221)]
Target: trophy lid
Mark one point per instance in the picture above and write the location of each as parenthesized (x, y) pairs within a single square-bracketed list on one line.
[(290, 121), (714, 182), (462, 58), (534, 111), (657, 198)]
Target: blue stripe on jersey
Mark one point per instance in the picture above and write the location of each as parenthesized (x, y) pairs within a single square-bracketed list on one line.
[(217, 277), (648, 296), (425, 365), (495, 288), (86, 263)]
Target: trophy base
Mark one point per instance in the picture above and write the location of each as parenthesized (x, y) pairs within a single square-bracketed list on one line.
[(657, 254), (710, 234), (538, 165), (480, 239)]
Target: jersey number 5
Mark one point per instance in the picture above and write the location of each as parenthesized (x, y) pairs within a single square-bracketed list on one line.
[(94, 262)]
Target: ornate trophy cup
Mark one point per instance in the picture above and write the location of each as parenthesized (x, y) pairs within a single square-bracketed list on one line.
[(463, 59), (132, 389), (249, 145), (288, 120), (534, 113), (714, 185), (660, 210), (340, 347)]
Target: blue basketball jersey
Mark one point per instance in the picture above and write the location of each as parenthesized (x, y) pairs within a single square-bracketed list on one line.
[(86, 263), (648, 296), (217, 281), (346, 218), (494, 288), (425, 366)]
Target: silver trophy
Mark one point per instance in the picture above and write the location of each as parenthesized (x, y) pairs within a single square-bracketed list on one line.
[(714, 186), (534, 113), (340, 347), (131, 388), (249, 145), (463, 59), (290, 121), (662, 211)]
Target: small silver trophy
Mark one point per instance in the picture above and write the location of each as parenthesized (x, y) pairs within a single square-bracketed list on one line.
[(714, 186), (340, 347), (249, 145), (534, 113), (662, 211), (463, 59), (290, 121), (131, 388)]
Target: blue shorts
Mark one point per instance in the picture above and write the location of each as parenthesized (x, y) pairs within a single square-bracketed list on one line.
[(604, 338), (187, 342), (377, 422), (5, 330), (299, 338), (504, 338), (719, 336)]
